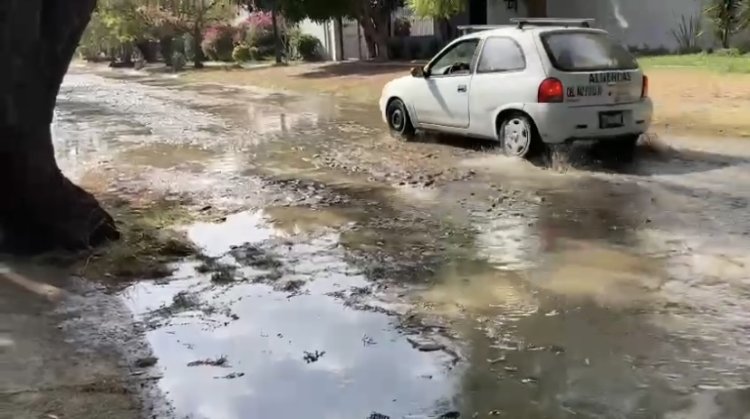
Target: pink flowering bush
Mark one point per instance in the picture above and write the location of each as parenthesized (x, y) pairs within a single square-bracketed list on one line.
[(257, 32), (218, 42), (260, 20)]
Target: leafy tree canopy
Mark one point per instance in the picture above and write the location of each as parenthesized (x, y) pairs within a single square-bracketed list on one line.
[(436, 9)]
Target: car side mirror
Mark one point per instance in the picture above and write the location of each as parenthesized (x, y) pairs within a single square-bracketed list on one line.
[(419, 72)]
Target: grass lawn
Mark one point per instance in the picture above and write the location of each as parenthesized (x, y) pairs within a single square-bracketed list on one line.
[(706, 95), (713, 62)]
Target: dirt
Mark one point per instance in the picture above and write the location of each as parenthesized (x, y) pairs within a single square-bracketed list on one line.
[(326, 252), (687, 101)]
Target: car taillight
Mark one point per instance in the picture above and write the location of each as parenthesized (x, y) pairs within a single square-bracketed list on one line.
[(644, 89), (550, 91)]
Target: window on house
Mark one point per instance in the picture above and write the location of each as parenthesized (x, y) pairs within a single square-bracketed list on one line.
[(501, 54), (586, 51)]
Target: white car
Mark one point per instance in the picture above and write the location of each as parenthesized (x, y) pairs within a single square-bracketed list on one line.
[(528, 85)]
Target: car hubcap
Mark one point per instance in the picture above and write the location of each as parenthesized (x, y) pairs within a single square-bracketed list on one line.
[(397, 119), (516, 137)]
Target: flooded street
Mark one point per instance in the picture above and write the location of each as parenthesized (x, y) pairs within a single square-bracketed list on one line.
[(355, 276)]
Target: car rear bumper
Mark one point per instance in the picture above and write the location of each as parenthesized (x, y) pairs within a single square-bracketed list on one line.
[(560, 122)]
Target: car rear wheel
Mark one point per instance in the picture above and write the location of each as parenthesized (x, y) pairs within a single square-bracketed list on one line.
[(518, 137), (398, 120)]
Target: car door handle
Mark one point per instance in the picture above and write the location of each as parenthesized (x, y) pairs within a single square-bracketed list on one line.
[(462, 88)]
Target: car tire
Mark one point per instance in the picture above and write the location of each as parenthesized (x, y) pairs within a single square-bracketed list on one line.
[(518, 136), (399, 121)]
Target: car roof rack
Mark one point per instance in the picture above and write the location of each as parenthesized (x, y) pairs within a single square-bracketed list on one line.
[(550, 21), (467, 29)]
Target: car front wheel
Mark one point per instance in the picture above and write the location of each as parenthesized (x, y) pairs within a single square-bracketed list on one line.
[(399, 122)]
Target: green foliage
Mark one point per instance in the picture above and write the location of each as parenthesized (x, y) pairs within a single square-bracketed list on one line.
[(687, 34), (703, 62), (728, 18), (241, 53), (316, 10), (436, 9), (218, 42), (728, 52), (402, 27), (254, 54), (178, 61), (308, 47), (114, 24)]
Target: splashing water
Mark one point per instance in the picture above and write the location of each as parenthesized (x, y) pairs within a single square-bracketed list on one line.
[(618, 14)]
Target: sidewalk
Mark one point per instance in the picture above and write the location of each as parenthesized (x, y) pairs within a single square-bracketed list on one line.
[(48, 369)]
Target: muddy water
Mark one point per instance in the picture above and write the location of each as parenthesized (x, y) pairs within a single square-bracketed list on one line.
[(359, 275)]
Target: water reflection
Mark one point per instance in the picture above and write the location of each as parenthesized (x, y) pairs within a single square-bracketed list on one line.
[(331, 360)]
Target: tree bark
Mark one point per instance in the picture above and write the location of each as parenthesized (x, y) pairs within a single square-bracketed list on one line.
[(40, 209), (276, 37), (376, 36), (198, 56)]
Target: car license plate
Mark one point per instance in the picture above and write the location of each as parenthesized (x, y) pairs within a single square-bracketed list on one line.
[(611, 120)]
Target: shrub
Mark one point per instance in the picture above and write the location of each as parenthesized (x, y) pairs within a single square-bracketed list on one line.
[(308, 48), (188, 47), (257, 31), (254, 53), (178, 61), (402, 27), (261, 39), (241, 53), (728, 52), (218, 42), (395, 48)]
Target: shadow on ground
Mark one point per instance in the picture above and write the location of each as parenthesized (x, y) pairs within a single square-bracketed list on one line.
[(356, 69)]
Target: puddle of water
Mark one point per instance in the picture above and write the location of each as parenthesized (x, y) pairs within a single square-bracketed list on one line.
[(166, 156), (331, 360), (296, 220), (569, 273)]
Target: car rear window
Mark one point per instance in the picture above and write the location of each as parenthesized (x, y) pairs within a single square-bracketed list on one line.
[(586, 51)]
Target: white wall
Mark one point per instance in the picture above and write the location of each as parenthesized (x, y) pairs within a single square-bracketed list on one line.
[(499, 14), (324, 32), (640, 23)]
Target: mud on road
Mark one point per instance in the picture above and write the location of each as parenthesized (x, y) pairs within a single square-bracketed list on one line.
[(353, 276)]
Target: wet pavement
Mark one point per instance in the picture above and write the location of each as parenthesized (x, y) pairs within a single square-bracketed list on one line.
[(355, 276)]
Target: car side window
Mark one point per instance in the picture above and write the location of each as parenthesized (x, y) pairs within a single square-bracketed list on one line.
[(457, 60), (501, 54)]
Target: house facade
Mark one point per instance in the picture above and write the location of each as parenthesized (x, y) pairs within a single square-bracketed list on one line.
[(340, 40), (642, 24), (645, 24)]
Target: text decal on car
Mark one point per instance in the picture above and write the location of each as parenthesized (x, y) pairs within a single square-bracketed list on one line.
[(590, 90), (610, 77)]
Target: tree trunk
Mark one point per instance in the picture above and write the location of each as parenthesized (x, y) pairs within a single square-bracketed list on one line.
[(276, 38), (376, 36), (40, 209), (725, 37), (372, 49), (198, 56), (537, 8)]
